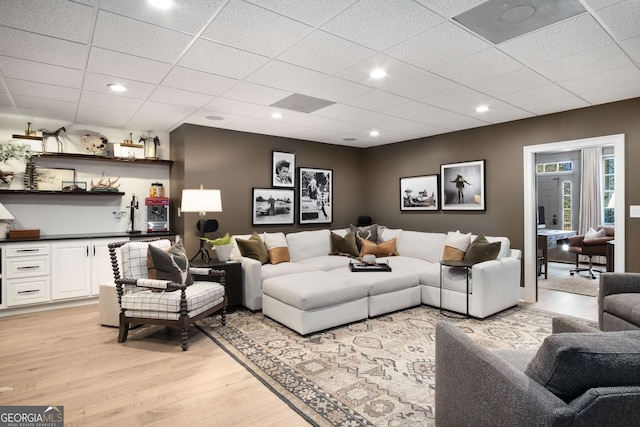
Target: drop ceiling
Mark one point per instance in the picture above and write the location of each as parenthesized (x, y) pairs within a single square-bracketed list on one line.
[(230, 60)]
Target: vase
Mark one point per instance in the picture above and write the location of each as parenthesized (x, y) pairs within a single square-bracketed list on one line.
[(6, 176), (223, 252)]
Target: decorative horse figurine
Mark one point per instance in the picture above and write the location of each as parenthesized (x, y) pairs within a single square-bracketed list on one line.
[(46, 135)]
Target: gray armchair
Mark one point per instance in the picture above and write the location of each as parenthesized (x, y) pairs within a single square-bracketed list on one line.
[(567, 382), (619, 301)]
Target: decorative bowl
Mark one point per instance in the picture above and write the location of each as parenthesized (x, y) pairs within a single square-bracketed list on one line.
[(369, 259)]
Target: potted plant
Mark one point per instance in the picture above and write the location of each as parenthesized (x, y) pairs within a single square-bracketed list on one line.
[(222, 246), (12, 151)]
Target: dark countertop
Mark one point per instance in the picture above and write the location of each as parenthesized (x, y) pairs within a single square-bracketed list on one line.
[(114, 234)]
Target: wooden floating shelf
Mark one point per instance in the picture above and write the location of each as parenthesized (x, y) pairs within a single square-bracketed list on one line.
[(89, 157), (32, 138), (66, 193)]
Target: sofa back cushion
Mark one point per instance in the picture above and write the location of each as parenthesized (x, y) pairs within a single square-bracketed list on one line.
[(569, 364), (134, 258), (422, 245), (308, 244)]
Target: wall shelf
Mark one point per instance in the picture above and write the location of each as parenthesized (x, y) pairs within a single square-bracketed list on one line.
[(74, 156), (32, 138), (66, 193)]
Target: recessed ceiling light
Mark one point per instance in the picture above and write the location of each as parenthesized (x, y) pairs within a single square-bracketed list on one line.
[(482, 108), (374, 133), (161, 4), (214, 118), (378, 73), (117, 87), (276, 115)]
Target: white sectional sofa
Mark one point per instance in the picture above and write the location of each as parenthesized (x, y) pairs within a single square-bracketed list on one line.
[(292, 292)]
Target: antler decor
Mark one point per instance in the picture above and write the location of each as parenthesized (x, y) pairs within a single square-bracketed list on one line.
[(105, 184)]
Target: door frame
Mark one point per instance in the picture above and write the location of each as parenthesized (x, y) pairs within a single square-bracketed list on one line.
[(528, 293)]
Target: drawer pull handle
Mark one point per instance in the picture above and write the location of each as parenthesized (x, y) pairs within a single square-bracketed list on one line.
[(28, 250), (29, 291), (28, 267)]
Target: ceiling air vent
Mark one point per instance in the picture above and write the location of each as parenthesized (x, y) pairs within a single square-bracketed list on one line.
[(302, 103)]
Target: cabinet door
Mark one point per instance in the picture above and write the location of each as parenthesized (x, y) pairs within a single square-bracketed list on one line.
[(71, 269), (101, 270)]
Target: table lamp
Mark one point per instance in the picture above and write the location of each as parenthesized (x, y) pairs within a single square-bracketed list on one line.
[(5, 219), (202, 201)]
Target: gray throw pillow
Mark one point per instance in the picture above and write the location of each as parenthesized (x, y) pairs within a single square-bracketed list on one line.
[(170, 264), (481, 250), (369, 232)]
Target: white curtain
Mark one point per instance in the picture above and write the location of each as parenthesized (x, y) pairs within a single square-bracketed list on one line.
[(591, 193)]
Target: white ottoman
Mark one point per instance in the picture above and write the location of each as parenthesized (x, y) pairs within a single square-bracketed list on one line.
[(313, 301), (387, 290), (109, 307)]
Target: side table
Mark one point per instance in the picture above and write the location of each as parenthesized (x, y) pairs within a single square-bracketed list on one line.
[(457, 264), (233, 279)]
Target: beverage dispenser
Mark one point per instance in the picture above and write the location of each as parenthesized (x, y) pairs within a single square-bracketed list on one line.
[(157, 209)]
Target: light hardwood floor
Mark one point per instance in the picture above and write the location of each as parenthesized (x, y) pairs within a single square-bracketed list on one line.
[(64, 357)]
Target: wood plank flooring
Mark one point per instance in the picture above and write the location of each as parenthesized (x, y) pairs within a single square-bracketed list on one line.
[(64, 357)]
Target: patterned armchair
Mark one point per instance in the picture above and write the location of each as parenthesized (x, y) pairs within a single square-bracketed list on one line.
[(156, 286)]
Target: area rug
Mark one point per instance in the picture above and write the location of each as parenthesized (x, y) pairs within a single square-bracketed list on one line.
[(371, 373), (574, 285)]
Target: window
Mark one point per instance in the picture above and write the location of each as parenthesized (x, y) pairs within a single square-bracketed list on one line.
[(556, 167), (566, 205), (609, 187)]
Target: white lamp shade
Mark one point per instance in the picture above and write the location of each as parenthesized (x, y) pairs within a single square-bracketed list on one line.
[(201, 200), (4, 213)]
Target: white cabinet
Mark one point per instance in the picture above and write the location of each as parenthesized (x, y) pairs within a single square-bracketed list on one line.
[(27, 270), (101, 270)]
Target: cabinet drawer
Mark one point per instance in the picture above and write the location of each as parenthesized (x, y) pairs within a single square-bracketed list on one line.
[(27, 267), (27, 291), (11, 251)]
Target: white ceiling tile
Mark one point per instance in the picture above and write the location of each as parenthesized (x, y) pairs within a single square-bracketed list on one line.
[(421, 86), (325, 53), (45, 105), (60, 19), (499, 112), (557, 105), (313, 13), (439, 45), (232, 106), (24, 45), (158, 116), (622, 19), (356, 115), (410, 109), (456, 97), (416, 129), (556, 41), (98, 83), (382, 24), (600, 95), (53, 112), (376, 100), (106, 100), (396, 71), (450, 120), (250, 124), (599, 4), (198, 81), (514, 81), (254, 29), (335, 89), (608, 80), (632, 48), (536, 95), (42, 90), (5, 100), (255, 93), (42, 73), (189, 16), (285, 76), (200, 118), (126, 66), (448, 8), (93, 114), (115, 32), (480, 66), (183, 98), (582, 64), (226, 61)]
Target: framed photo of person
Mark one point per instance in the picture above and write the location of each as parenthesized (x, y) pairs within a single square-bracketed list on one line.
[(419, 193), (272, 206), (462, 186), (316, 196), (282, 167)]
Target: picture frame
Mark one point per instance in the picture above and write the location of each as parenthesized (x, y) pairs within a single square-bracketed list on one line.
[(273, 206), (315, 200), (420, 193), (51, 179), (283, 166), (462, 186)]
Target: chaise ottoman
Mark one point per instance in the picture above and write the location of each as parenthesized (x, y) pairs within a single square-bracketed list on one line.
[(313, 301)]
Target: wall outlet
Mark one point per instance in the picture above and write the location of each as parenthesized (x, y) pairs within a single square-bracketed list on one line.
[(634, 211)]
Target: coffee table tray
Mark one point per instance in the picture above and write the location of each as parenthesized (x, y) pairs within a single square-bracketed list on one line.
[(360, 267)]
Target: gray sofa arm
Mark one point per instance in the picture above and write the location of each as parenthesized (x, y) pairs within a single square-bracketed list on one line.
[(564, 324), (616, 283), (475, 387)]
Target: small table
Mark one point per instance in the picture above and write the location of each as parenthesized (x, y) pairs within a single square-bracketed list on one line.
[(233, 279), (458, 264)]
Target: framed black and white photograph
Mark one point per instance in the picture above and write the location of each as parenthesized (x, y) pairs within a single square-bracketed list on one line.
[(419, 193), (316, 196), (50, 179), (273, 206), (283, 166), (462, 186)]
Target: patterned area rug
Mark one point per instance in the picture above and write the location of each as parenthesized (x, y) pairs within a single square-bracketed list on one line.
[(378, 372), (574, 285)]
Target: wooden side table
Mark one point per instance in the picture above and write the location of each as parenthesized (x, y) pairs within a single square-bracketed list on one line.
[(457, 264), (233, 280)]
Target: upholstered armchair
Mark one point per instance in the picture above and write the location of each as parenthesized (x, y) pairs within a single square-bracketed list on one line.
[(156, 286), (619, 301), (590, 245)]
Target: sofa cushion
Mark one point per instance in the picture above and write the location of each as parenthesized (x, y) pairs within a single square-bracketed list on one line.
[(385, 233), (455, 246), (624, 306), (268, 271), (481, 250), (325, 262), (253, 248), (422, 245), (370, 232), (277, 248), (200, 297), (569, 364), (382, 283), (386, 248), (344, 245), (169, 264), (307, 244)]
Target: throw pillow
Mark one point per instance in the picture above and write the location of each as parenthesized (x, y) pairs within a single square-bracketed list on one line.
[(369, 232), (593, 234), (253, 248), (277, 248), (344, 245), (169, 264), (386, 248), (455, 246), (481, 250)]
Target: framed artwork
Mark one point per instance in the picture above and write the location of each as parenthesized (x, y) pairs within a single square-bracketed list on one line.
[(316, 196), (282, 167), (50, 179), (419, 193), (272, 206), (462, 186)]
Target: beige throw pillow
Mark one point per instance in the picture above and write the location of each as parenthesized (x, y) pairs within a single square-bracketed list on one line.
[(455, 246), (277, 249)]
